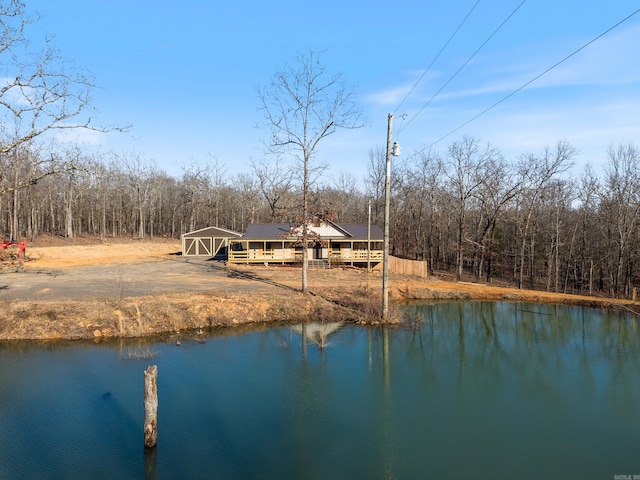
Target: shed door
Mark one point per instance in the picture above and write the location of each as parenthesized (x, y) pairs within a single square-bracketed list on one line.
[(190, 246), (204, 246), (218, 243)]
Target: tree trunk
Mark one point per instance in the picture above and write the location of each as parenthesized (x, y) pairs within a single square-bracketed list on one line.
[(305, 257), (141, 224), (459, 250)]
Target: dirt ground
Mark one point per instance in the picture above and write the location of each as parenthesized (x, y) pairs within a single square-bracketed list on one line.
[(92, 289)]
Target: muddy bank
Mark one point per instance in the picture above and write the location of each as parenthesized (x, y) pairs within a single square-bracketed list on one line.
[(179, 312), (149, 315)]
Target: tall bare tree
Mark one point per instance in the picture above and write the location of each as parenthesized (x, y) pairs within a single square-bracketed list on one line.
[(538, 171), (274, 180), (302, 106), (494, 195), (41, 95), (621, 202), (140, 185), (375, 179), (468, 167), (247, 196)]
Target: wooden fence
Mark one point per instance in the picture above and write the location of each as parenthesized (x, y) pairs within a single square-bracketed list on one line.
[(401, 266)]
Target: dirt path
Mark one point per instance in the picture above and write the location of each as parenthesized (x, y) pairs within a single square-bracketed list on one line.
[(140, 288), (138, 269)]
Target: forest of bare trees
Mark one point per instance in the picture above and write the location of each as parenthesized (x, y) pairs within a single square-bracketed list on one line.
[(531, 221), (472, 213)]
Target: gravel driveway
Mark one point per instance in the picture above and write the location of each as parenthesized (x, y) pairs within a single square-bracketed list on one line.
[(177, 274)]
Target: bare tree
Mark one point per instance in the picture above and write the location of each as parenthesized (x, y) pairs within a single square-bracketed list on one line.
[(302, 106), (417, 186), (247, 200), (343, 200), (537, 172), (467, 169), (140, 175), (588, 253), (217, 175), (40, 92), (495, 193), (375, 179), (621, 202), (196, 181), (274, 180), (74, 158), (556, 204), (41, 95)]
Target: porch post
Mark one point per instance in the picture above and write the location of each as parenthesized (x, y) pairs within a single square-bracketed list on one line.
[(369, 240)]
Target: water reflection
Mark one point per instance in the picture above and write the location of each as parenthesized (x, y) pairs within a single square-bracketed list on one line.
[(476, 390), (316, 333)]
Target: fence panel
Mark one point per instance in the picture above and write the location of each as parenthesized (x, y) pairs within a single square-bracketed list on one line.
[(415, 268)]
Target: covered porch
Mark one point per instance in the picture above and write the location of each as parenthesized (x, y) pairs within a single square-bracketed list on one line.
[(287, 251)]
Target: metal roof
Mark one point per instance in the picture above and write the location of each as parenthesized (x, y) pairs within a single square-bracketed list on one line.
[(280, 231), (211, 232), (359, 231), (267, 230)]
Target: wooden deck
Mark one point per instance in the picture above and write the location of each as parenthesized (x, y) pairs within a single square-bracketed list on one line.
[(339, 257)]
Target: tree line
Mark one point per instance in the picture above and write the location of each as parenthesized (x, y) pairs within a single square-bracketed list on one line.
[(526, 222), (470, 212)]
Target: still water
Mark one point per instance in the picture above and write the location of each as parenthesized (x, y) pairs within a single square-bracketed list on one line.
[(467, 390)]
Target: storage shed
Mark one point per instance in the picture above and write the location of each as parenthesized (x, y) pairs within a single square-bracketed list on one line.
[(208, 242)]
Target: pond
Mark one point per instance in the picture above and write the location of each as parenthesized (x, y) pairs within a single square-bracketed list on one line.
[(465, 390)]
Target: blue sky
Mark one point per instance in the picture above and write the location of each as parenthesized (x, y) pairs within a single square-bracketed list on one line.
[(185, 74)]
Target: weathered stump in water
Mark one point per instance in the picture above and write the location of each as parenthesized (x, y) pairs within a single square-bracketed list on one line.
[(150, 406)]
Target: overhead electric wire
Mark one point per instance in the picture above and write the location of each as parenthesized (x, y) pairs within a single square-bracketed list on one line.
[(593, 40), (437, 56), (461, 67)]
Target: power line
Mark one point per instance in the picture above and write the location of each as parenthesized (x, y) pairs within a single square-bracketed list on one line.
[(436, 57), (593, 40), (461, 67)]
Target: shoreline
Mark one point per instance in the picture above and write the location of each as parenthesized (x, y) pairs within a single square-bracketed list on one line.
[(139, 317), (141, 289)]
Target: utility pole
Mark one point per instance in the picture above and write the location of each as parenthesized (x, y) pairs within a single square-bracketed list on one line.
[(387, 198), (385, 250)]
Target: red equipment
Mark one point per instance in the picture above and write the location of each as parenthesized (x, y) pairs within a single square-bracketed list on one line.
[(22, 245)]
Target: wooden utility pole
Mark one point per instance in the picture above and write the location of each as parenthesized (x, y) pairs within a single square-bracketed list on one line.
[(150, 407), (385, 252), (395, 151)]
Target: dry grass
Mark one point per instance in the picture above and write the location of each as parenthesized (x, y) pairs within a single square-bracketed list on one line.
[(141, 316), (78, 253)]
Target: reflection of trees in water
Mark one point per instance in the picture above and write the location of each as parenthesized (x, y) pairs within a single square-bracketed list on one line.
[(524, 342), (463, 366)]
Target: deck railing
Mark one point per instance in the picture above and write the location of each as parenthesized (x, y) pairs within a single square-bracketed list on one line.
[(260, 255), (355, 255), (287, 256)]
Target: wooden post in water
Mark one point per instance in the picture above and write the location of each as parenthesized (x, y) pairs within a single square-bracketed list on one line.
[(150, 407)]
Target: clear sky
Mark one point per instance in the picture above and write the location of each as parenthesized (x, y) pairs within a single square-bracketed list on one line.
[(185, 74)]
